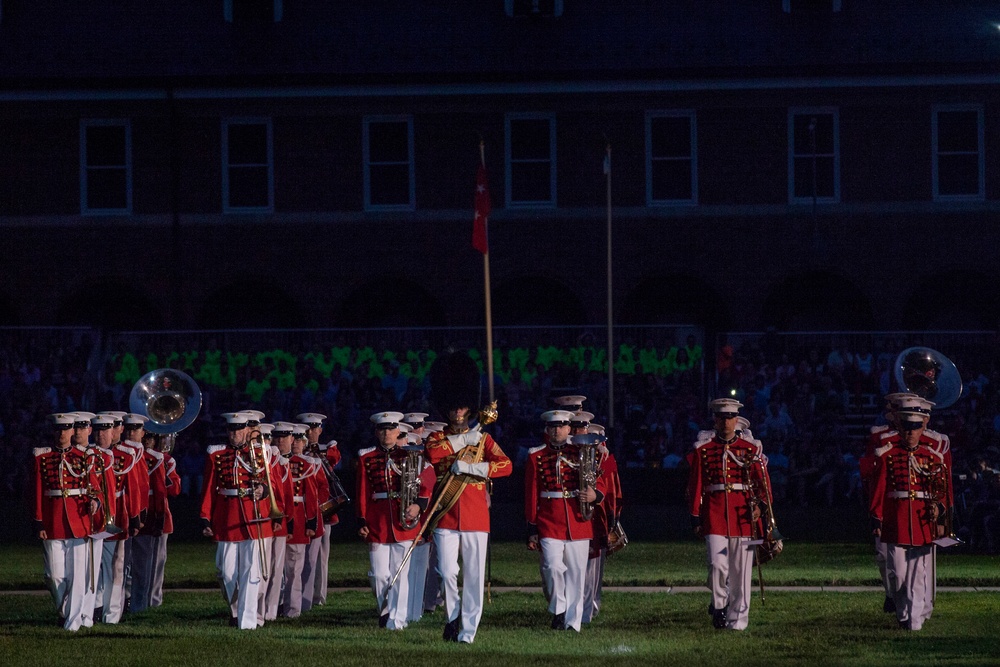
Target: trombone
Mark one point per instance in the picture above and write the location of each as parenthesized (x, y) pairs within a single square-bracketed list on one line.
[(256, 443)]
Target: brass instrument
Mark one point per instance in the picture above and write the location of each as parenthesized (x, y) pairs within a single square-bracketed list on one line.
[(765, 536), (409, 483), (586, 467), (617, 539), (171, 400), (928, 374), (109, 528), (943, 519), (446, 494), (256, 443), (338, 494)]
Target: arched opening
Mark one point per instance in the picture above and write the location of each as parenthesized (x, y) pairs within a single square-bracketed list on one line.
[(675, 299), (110, 303), (536, 301), (251, 304), (391, 302), (817, 301)]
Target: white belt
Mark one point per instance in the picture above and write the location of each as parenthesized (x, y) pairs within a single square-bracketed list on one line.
[(382, 495), (559, 494), (299, 499), (55, 493), (908, 494), (119, 494), (725, 487), (150, 492), (236, 493)]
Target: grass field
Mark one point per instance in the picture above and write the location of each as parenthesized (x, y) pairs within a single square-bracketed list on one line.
[(633, 628), (192, 565)]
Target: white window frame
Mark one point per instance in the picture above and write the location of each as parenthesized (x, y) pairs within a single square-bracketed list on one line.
[(367, 162), (818, 111), (249, 120), (693, 157), (981, 151), (85, 124), (509, 161)]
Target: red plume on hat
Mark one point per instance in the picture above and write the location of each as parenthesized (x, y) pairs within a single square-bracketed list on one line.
[(455, 382)]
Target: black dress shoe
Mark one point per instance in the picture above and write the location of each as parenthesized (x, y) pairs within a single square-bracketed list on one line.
[(559, 621), (99, 615), (61, 621), (889, 606), (233, 622), (450, 633), (719, 619), (711, 609), (383, 620)]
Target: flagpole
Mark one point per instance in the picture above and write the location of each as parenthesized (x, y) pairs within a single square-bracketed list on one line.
[(611, 354), (486, 288)]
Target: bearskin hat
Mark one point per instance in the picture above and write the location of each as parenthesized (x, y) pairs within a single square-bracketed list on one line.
[(455, 383)]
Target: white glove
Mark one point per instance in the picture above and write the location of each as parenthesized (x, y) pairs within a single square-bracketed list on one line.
[(481, 469)]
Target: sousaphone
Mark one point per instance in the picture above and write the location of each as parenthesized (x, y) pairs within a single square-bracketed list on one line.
[(928, 374), (170, 399)]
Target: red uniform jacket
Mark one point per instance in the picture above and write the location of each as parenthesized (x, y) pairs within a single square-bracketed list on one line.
[(156, 476), (874, 448), (104, 491), (65, 482), (304, 514), (331, 453), (173, 484), (282, 478), (142, 480), (907, 485), (719, 486), (227, 502), (378, 502), (554, 472), (126, 491), (607, 512), (472, 511)]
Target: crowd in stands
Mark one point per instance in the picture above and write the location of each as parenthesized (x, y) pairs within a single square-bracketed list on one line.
[(810, 400)]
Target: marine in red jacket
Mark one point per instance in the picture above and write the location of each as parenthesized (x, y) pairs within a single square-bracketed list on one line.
[(556, 524), (234, 512), (66, 486), (911, 496), (727, 481), (302, 515)]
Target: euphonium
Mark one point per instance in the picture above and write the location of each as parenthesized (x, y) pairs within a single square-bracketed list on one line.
[(586, 467), (257, 441), (760, 498), (409, 483)]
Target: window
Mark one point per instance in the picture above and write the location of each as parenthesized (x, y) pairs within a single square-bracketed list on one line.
[(813, 156), (105, 167), (531, 158), (248, 173), (671, 158), (252, 11), (958, 165), (388, 169), (533, 8)]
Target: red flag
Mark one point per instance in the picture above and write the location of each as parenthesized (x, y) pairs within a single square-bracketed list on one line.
[(482, 204)]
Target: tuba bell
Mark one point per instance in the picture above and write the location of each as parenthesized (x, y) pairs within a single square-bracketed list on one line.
[(586, 466), (170, 399), (928, 374)]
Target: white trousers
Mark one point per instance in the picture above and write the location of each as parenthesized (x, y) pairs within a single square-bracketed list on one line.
[(471, 546), (143, 561), (592, 586), (68, 575), (111, 582), (385, 560), (418, 577), (730, 572), (310, 570), (291, 596), (911, 578), (159, 568), (432, 585), (322, 577), (269, 595), (238, 564), (882, 568), (564, 566), (95, 553)]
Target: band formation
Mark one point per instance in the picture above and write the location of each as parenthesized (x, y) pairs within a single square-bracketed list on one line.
[(271, 498)]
